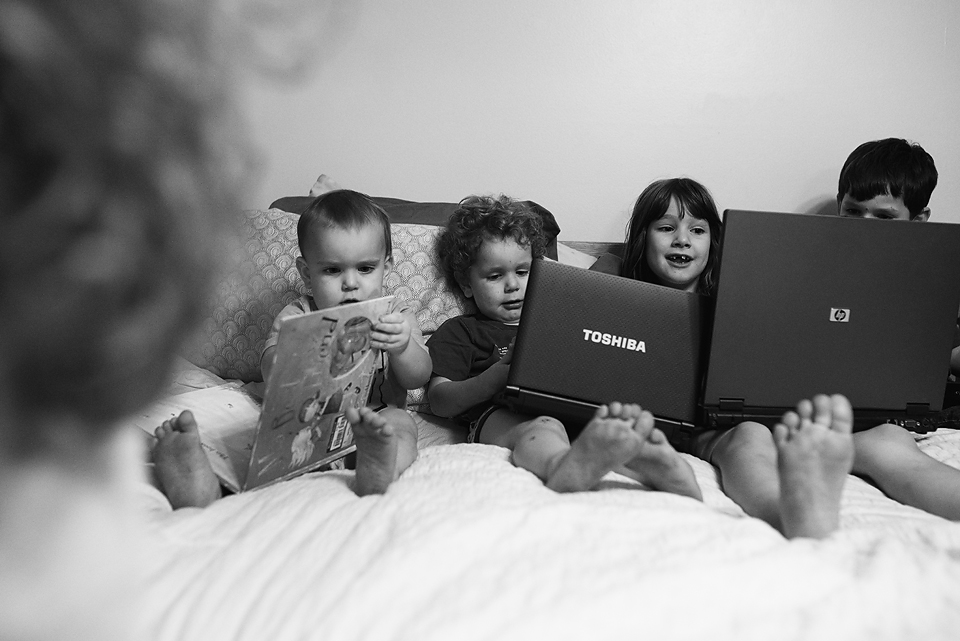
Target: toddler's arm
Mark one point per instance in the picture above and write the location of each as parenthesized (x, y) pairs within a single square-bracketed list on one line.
[(267, 362), (451, 398), (399, 335)]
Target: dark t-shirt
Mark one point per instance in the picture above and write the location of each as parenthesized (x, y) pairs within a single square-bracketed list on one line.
[(465, 346)]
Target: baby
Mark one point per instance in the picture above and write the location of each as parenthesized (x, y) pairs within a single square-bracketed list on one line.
[(346, 250)]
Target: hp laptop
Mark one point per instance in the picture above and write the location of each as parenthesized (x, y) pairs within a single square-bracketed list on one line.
[(588, 338), (812, 304)]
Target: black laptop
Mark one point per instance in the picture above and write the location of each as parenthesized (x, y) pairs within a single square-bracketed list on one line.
[(588, 338), (812, 304)]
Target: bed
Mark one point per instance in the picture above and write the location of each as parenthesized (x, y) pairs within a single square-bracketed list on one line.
[(466, 546)]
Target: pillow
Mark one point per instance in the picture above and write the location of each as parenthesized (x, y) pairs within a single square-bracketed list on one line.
[(264, 278), (406, 211), (570, 256)]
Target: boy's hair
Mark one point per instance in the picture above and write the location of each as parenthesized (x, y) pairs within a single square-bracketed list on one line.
[(480, 218), (693, 199), (891, 166), (342, 209)]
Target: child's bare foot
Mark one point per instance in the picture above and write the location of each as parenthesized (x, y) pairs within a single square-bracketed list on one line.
[(376, 441), (605, 443), (182, 467), (815, 454), (661, 467)]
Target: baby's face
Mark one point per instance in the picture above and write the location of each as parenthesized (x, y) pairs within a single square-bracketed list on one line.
[(498, 279), (678, 248), (344, 266), (882, 207)]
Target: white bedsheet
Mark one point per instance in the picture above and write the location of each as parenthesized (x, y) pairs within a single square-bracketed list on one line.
[(465, 546)]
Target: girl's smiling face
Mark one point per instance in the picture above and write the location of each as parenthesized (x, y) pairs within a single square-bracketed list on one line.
[(677, 248)]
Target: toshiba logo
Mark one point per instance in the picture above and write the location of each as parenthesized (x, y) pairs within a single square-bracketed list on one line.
[(631, 344)]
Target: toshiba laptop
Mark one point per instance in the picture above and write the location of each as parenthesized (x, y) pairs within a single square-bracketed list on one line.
[(588, 338), (812, 304)]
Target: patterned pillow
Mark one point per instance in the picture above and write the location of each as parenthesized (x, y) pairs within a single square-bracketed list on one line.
[(264, 279)]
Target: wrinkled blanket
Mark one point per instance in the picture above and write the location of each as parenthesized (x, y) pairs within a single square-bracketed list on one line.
[(466, 546)]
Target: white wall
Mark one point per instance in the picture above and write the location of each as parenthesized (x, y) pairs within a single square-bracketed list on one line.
[(578, 104)]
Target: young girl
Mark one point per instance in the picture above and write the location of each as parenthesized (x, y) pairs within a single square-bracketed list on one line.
[(487, 250), (673, 238), (791, 478)]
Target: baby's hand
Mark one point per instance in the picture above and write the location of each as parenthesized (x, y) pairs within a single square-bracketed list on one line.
[(391, 333)]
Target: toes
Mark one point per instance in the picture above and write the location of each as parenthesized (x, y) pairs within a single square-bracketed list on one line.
[(602, 412), (791, 421), (644, 424), (842, 414), (616, 410), (781, 434), (657, 437), (804, 410), (822, 409), (185, 422), (353, 416), (163, 430)]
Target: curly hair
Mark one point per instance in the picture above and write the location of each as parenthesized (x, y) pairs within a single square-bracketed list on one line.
[(480, 218), (693, 199), (120, 172)]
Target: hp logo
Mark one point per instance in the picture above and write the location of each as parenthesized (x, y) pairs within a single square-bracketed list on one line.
[(839, 315)]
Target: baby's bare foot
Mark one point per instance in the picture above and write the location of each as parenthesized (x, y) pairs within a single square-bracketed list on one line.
[(661, 467), (815, 454), (181, 465), (605, 443), (376, 443)]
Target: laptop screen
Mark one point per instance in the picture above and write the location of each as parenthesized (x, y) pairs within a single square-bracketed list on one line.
[(819, 304)]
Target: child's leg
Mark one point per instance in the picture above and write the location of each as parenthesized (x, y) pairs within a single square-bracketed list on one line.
[(815, 450), (746, 458), (889, 455), (386, 446), (541, 445), (181, 465), (661, 467)]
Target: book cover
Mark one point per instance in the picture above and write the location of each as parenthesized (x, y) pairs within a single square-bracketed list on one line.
[(325, 363)]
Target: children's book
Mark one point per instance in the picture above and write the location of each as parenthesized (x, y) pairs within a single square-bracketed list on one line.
[(324, 365)]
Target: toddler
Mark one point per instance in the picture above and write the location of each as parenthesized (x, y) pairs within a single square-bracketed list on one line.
[(345, 250), (487, 250)]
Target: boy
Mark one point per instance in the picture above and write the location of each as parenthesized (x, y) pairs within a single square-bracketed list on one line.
[(893, 179), (487, 251), (888, 179), (346, 249)]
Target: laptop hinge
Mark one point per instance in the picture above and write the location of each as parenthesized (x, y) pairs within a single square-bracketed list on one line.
[(918, 409), (729, 413), (731, 405)]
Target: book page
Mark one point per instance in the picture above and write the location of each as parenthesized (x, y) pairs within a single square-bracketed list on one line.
[(226, 418)]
